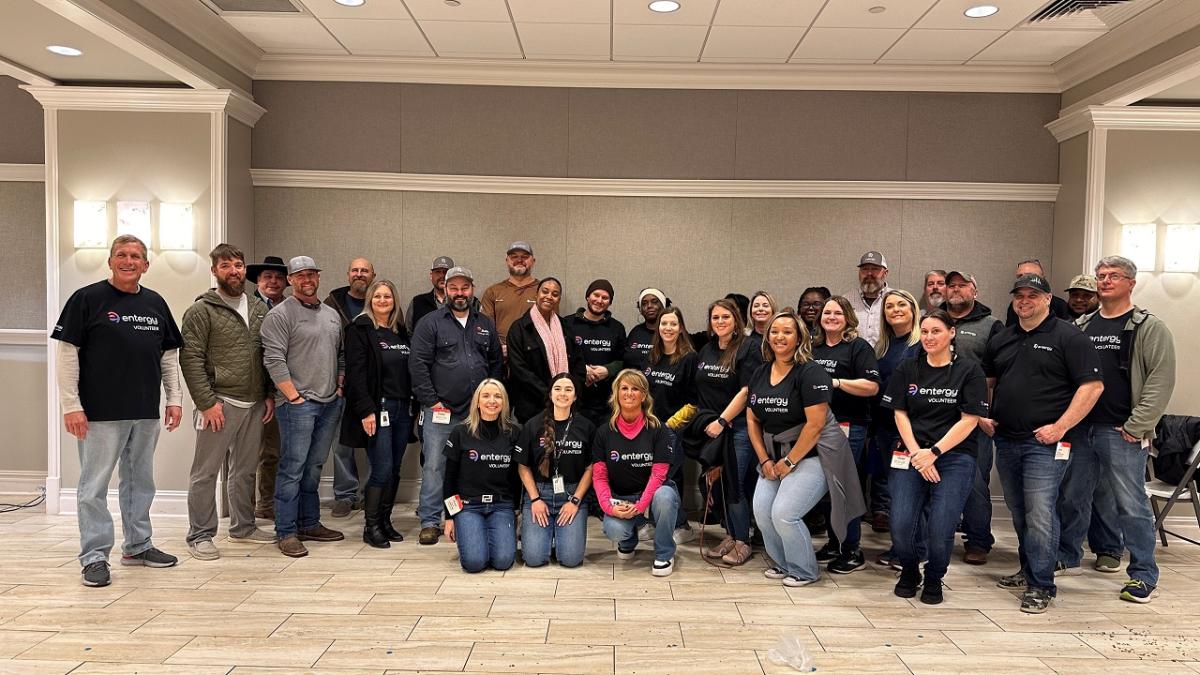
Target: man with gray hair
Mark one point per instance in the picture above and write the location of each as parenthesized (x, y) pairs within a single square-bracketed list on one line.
[(1111, 444), (872, 287)]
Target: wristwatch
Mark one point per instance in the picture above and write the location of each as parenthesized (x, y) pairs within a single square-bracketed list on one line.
[(574, 500), (788, 462), (937, 452), (723, 422)]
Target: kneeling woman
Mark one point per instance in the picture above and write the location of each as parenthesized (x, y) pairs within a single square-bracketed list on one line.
[(938, 401), (556, 472), (789, 418), (480, 485), (632, 456)]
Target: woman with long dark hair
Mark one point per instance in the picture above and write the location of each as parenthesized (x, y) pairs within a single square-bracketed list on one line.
[(540, 345), (671, 372)]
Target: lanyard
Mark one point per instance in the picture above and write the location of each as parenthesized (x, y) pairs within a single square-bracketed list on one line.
[(558, 446)]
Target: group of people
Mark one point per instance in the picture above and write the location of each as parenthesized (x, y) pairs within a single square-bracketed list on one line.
[(875, 405)]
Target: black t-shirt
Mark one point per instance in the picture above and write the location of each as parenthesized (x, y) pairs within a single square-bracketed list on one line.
[(572, 438), (671, 384), (714, 385), (395, 351), (1037, 374), (121, 339), (629, 462), (853, 360), (637, 346), (935, 398), (1116, 401), (781, 406), (482, 465), (601, 343)]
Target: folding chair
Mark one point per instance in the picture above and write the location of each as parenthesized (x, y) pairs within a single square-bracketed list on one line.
[(1188, 488)]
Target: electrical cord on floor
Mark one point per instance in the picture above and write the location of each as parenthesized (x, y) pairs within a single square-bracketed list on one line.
[(36, 501)]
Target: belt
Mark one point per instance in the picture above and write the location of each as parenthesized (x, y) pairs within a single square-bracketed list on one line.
[(481, 499)]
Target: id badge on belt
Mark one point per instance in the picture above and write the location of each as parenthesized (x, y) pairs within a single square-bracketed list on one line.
[(901, 460), (441, 414), (1062, 452)]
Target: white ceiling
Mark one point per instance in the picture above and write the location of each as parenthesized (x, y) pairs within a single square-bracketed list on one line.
[(713, 31)]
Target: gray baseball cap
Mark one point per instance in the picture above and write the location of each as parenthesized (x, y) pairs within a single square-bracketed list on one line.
[(965, 276), (520, 246), (442, 262), (460, 271), (873, 258), (301, 263)]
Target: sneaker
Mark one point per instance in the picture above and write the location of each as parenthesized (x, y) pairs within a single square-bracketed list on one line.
[(793, 581), (889, 559), (683, 535), (257, 536), (910, 581), (645, 532), (720, 549), (320, 533), (974, 556), (775, 573), (663, 568), (1061, 570), (1109, 564), (292, 547), (931, 594), (625, 555), (151, 557), (429, 536), (848, 562), (880, 522), (739, 555), (341, 508), (1138, 591), (828, 552), (1035, 601), (265, 513), (203, 549), (1013, 581), (96, 574)]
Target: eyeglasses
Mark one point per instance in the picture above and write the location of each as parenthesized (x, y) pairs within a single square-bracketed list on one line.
[(1115, 276)]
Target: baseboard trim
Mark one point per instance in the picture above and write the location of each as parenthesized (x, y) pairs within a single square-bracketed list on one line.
[(22, 482)]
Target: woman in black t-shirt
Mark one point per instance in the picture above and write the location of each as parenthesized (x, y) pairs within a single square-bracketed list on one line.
[(938, 400), (850, 361), (789, 418), (377, 413), (670, 373), (481, 484), (556, 474)]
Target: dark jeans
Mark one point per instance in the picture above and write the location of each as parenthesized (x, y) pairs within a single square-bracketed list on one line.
[(305, 432), (885, 443), (858, 442), (486, 535), (569, 542), (385, 450), (676, 475), (739, 506), (878, 464), (977, 515), (1104, 536), (1031, 478), (913, 496)]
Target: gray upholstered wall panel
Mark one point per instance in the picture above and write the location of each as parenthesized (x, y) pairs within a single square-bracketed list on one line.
[(21, 138), (23, 256), (240, 202)]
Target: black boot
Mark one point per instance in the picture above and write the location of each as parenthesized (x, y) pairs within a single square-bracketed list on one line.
[(387, 503), (373, 534), (910, 581)]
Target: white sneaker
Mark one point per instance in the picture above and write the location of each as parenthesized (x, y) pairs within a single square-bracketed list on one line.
[(258, 536), (625, 555), (204, 549), (663, 568), (683, 535), (775, 573), (646, 532), (796, 582), (1061, 570)]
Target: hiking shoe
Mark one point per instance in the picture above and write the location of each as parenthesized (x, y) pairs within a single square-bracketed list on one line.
[(320, 533), (1109, 564), (931, 594), (848, 562), (1138, 591), (663, 568), (256, 536), (1035, 600), (683, 535), (341, 508), (793, 581), (429, 536), (151, 557), (625, 555), (880, 522), (96, 574), (739, 555), (203, 549), (645, 532), (1061, 570), (974, 556), (720, 549), (291, 547), (910, 581), (828, 552), (775, 573), (1013, 581)]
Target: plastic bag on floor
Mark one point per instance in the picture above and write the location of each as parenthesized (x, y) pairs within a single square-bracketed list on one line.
[(789, 651)]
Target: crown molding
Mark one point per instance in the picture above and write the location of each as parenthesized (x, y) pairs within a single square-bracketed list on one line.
[(240, 107), (1163, 76), (642, 187), (1125, 118), (22, 173), (22, 74), (210, 30), (608, 74)]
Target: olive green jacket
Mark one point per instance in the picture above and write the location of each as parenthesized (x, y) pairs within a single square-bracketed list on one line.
[(221, 355)]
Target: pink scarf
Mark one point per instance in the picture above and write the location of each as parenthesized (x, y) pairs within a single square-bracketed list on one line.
[(552, 337), (630, 430)]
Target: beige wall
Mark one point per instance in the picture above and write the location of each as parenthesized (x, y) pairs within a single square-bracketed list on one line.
[(23, 409), (240, 191), (1069, 211), (21, 130), (23, 255)]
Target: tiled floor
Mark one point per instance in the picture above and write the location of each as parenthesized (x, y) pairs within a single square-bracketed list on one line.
[(348, 608)]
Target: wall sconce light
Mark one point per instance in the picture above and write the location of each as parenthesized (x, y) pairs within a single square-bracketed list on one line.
[(134, 218), (175, 227), (1182, 251), (91, 224), (1139, 243)]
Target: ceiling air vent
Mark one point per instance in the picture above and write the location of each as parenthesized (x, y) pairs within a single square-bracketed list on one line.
[(1061, 8), (255, 6)]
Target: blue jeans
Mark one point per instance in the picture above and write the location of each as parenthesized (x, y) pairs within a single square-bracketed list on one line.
[(1100, 455), (130, 443), (977, 514), (385, 450), (486, 535), (345, 468), (1031, 477), (433, 467), (739, 505), (879, 464), (662, 512), (779, 508), (858, 442), (1104, 535), (305, 432), (568, 541), (913, 497)]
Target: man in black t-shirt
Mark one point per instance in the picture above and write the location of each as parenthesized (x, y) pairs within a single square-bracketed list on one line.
[(651, 302), (601, 338), (117, 343), (1058, 306), (1046, 377)]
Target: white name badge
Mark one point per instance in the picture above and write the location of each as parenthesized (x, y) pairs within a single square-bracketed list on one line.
[(560, 485), (384, 419), (901, 460), (1063, 451), (453, 504), (198, 419), (441, 415)]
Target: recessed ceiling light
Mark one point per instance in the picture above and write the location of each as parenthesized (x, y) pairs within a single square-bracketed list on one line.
[(64, 51), (664, 6), (351, 3), (877, 9), (981, 11)]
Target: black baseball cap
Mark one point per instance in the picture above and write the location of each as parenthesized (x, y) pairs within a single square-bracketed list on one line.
[(1035, 281)]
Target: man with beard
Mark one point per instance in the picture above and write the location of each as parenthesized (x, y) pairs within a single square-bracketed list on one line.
[(424, 303), (651, 302), (270, 277), (872, 285), (506, 301), (974, 326), (602, 339), (349, 302), (935, 290), (302, 350), (233, 402), (454, 348), (1082, 297), (1058, 306)]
